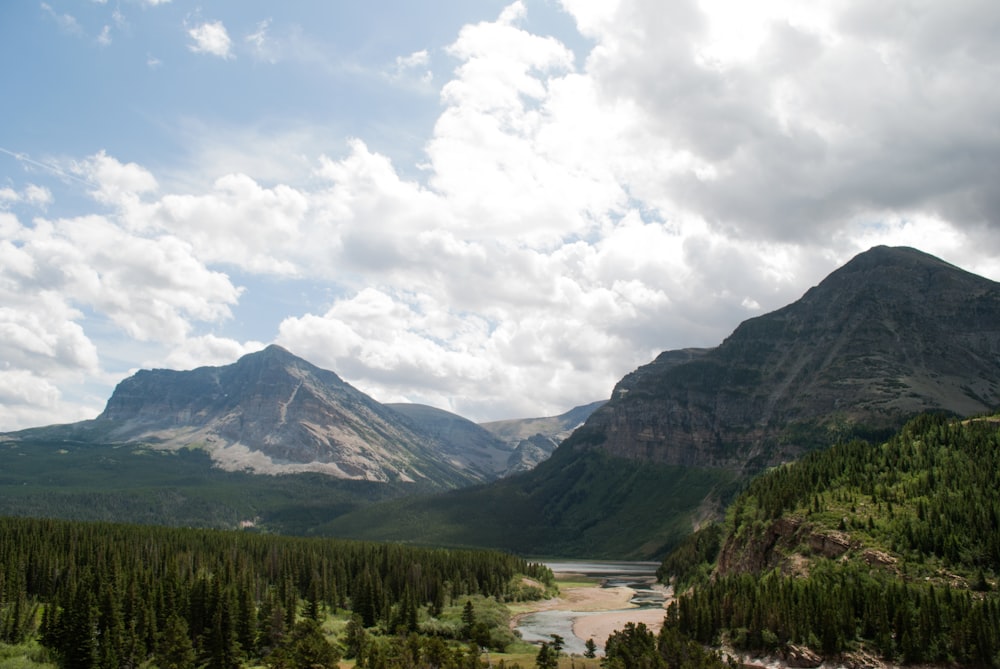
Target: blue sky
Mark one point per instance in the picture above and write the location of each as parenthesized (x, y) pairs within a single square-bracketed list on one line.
[(497, 208)]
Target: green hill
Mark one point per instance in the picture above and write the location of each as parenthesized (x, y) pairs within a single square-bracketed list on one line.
[(891, 550), (577, 503)]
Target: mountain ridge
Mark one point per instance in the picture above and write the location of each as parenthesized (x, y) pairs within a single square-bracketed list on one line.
[(876, 342), (893, 333)]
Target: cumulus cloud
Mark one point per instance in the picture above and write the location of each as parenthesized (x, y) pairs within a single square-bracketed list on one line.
[(56, 275), (208, 350), (574, 217), (211, 38), (849, 110)]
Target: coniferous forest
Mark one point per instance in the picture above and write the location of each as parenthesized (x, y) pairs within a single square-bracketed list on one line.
[(110, 596), (887, 551), (912, 579)]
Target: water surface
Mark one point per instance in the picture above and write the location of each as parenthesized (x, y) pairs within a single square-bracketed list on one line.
[(640, 576)]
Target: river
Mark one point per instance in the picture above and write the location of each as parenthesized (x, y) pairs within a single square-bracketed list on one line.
[(628, 591)]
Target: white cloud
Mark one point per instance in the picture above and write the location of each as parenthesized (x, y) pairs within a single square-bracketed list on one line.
[(211, 38), (417, 63), (702, 164), (263, 47), (238, 223), (66, 22), (63, 280), (115, 183), (207, 350)]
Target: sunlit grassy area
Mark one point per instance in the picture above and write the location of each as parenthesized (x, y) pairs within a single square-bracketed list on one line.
[(25, 656)]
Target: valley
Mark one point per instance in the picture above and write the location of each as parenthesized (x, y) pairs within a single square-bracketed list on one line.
[(821, 486)]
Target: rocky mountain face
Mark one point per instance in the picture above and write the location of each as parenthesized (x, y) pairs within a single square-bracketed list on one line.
[(462, 442), (497, 448), (892, 333), (272, 412), (532, 440)]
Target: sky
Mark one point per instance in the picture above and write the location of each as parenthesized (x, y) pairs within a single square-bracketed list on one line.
[(495, 208)]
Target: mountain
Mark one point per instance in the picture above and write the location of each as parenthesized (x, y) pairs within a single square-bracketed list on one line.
[(892, 333), (462, 442), (272, 412), (189, 447), (533, 440)]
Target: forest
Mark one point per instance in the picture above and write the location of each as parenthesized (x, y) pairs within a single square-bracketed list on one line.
[(107, 595), (919, 516)]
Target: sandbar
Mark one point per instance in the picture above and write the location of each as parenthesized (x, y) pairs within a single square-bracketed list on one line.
[(603, 611)]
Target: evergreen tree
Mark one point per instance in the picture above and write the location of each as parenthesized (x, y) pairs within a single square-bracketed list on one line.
[(305, 648), (174, 649), (547, 657), (468, 619), (355, 637)]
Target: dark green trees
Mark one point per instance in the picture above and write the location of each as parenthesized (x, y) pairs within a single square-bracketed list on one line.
[(304, 648), (119, 596), (919, 516)]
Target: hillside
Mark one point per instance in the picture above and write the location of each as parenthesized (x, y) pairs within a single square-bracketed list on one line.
[(585, 504), (460, 440), (891, 334), (890, 549)]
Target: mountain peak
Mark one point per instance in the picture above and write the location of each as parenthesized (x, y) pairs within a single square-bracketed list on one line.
[(892, 333), (273, 412), (885, 263)]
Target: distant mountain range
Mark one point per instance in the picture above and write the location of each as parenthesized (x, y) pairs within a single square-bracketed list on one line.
[(274, 413), (892, 333), (499, 447)]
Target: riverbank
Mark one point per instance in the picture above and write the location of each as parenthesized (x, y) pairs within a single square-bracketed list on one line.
[(592, 611)]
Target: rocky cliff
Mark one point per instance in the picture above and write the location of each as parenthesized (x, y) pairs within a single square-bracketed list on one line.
[(892, 333)]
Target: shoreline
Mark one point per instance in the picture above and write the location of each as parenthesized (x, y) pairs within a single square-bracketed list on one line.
[(597, 612)]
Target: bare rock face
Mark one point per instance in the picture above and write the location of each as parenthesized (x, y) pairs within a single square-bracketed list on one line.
[(892, 333), (780, 545), (272, 412), (801, 657)]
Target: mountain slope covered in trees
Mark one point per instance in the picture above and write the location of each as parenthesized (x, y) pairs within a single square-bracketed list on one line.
[(889, 549)]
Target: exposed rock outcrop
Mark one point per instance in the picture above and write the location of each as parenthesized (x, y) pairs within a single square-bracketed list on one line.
[(779, 545)]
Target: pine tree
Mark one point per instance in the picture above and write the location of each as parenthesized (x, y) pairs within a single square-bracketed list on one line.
[(174, 649)]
